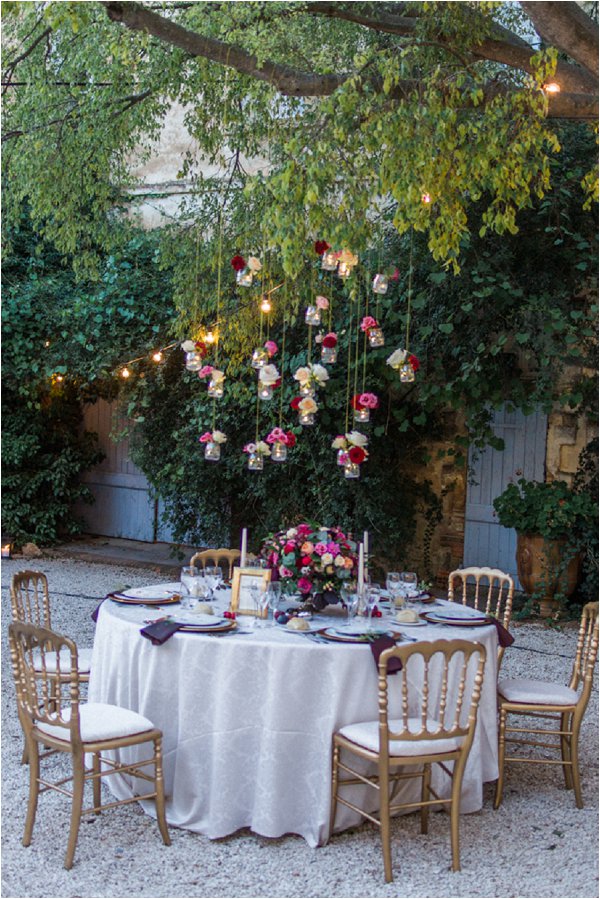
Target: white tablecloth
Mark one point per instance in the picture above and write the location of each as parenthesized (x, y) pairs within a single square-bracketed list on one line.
[(248, 719)]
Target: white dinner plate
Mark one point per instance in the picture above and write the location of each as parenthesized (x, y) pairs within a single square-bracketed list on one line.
[(200, 620), (418, 623), (312, 629)]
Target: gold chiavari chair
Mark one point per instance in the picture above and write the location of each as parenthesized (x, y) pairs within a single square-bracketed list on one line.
[(436, 727), (492, 593), (51, 714), (565, 706), (216, 557)]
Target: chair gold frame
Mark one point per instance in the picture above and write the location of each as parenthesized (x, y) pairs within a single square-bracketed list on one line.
[(47, 705), (215, 557), (568, 714), (400, 741), (492, 593)]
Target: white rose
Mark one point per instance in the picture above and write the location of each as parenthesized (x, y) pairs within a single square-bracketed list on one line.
[(320, 372), (357, 439), (216, 375), (268, 374), (188, 346), (254, 264), (326, 559), (291, 533), (263, 448), (339, 443), (218, 437), (397, 358), (339, 561), (302, 375), (307, 405)]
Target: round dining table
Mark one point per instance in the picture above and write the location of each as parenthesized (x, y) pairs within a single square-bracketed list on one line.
[(248, 716)]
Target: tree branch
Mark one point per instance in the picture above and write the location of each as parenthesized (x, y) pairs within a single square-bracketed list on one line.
[(567, 27)]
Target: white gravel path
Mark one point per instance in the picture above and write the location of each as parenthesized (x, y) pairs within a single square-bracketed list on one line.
[(537, 845)]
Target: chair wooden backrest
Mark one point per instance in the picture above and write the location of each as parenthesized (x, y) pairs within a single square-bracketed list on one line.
[(586, 653), (29, 598), (493, 591), (434, 667), (216, 557), (46, 679)]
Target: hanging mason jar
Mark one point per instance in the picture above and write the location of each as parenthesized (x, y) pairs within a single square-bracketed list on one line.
[(342, 457), (193, 361), (265, 391), (279, 452), (351, 469), (306, 389), (312, 316), (362, 415), (328, 261), (212, 451), (328, 354), (260, 357), (380, 284), (344, 270), (407, 373), (376, 337), (244, 277), (216, 389), (255, 462), (307, 418)]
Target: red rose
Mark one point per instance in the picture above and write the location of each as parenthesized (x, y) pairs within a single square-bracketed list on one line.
[(306, 560), (414, 362), (321, 246), (289, 547), (295, 403), (238, 263), (357, 454), (290, 439), (356, 403), (277, 383), (330, 340)]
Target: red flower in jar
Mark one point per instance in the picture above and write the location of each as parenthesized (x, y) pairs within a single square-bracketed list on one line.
[(295, 403), (356, 403), (357, 454), (290, 439), (330, 340), (321, 246), (238, 263), (414, 362)]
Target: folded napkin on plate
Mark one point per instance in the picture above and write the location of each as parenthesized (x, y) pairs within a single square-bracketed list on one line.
[(94, 615), (380, 645), (160, 631)]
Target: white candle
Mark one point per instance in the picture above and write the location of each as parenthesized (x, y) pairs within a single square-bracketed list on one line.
[(243, 548), (366, 544), (361, 567)]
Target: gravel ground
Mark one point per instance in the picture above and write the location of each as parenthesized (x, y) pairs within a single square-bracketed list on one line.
[(537, 845)]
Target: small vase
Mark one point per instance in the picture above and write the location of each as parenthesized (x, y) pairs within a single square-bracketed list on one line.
[(265, 391), (312, 316), (212, 451), (407, 373), (328, 354), (279, 452), (307, 418), (380, 284), (362, 415), (216, 389), (260, 357), (376, 337), (307, 390), (342, 457), (351, 469), (328, 261), (244, 277), (193, 361), (255, 462), (344, 270)]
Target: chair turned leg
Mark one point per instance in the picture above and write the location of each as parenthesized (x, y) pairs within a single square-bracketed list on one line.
[(501, 754), (33, 755), (334, 787), (565, 749), (96, 786), (384, 817), (425, 796), (575, 766), (160, 793), (76, 804), (457, 776)]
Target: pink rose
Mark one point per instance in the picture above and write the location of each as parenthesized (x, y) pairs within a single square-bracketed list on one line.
[(368, 322), (304, 530), (277, 434), (368, 400), (333, 548), (205, 370), (206, 437), (289, 547), (322, 303), (284, 572), (321, 549), (307, 548), (304, 585), (272, 559), (271, 348)]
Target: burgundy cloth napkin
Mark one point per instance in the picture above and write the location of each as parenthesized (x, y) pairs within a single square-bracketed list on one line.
[(504, 637), (380, 645), (160, 631), (96, 611)]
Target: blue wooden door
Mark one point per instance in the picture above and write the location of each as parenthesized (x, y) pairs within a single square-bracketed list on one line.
[(524, 456)]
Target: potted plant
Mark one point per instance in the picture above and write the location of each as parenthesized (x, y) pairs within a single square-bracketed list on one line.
[(550, 519)]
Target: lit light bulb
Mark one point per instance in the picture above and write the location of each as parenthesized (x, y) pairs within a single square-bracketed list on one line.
[(125, 373), (59, 378), (157, 357), (46, 343), (426, 198), (552, 88), (265, 306), (210, 337)]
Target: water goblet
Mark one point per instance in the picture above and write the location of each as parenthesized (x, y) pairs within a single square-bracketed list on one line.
[(213, 575), (350, 597), (274, 594), (372, 597), (187, 579), (408, 582)]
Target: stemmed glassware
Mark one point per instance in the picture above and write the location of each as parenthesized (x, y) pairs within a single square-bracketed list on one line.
[(372, 597), (394, 588), (351, 599), (188, 579), (214, 577), (260, 598), (274, 596)]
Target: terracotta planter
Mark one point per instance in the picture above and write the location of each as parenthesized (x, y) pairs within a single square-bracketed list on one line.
[(541, 569)]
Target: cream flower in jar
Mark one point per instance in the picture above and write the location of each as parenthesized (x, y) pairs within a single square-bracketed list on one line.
[(307, 405)]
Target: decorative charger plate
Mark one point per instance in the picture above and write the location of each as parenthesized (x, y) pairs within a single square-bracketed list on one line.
[(162, 600), (455, 621), (219, 626), (339, 635)]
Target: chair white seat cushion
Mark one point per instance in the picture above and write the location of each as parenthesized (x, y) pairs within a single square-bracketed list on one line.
[(99, 721), (84, 661), (535, 692), (366, 734)]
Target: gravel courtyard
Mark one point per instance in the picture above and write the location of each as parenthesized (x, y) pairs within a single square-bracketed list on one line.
[(537, 845)]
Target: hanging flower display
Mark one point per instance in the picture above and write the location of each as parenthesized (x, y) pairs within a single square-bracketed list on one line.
[(280, 441), (254, 264), (243, 272), (328, 256), (268, 378), (312, 316), (238, 263), (352, 452), (256, 453), (216, 383), (346, 262), (370, 326), (195, 351), (404, 363), (321, 246), (310, 377), (271, 348), (307, 408), (362, 403), (329, 348), (212, 441)]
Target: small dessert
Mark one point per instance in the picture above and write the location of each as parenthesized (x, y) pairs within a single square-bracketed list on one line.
[(298, 624), (407, 616), (203, 608)]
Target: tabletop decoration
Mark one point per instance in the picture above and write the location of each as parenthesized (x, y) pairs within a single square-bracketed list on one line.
[(312, 560), (212, 441), (363, 403), (256, 453)]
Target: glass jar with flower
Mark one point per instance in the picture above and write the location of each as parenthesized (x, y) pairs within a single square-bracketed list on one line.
[(310, 377), (363, 403), (212, 440), (256, 454), (405, 364), (279, 441), (195, 351), (329, 348), (370, 326), (268, 378), (352, 452)]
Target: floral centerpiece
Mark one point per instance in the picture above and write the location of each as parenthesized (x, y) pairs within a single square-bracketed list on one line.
[(312, 560)]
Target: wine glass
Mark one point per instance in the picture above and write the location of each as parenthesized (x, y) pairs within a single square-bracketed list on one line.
[(351, 597), (274, 596), (408, 580), (372, 597), (188, 579), (260, 600), (214, 576)]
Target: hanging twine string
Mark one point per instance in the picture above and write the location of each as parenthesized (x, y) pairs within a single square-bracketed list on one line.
[(330, 300), (357, 349), (409, 297), (284, 325), (365, 339), (349, 368)]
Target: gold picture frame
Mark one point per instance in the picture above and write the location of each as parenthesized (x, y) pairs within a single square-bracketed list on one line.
[(241, 600)]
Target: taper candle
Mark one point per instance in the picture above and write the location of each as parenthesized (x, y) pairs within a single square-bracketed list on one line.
[(243, 548)]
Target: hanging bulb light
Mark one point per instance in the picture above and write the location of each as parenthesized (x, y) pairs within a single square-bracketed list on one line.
[(125, 373), (210, 337), (265, 305), (157, 357), (551, 88), (425, 198)]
